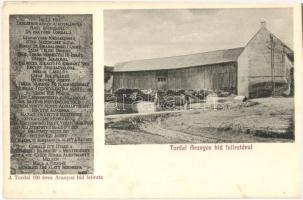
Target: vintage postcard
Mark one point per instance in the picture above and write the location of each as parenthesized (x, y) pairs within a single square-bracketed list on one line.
[(152, 100)]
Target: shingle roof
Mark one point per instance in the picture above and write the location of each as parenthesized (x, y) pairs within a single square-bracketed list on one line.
[(175, 62)]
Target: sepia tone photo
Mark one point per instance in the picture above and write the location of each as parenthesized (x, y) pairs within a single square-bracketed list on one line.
[(96, 94), (199, 76), (51, 94)]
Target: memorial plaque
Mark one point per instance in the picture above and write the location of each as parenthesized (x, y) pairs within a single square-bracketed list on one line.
[(51, 94)]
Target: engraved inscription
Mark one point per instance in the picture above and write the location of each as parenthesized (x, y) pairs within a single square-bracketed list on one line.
[(51, 94)]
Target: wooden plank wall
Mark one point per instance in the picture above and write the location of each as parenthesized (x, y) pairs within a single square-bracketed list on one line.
[(215, 77), (135, 80)]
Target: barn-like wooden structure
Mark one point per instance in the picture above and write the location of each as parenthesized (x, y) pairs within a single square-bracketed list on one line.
[(264, 59)]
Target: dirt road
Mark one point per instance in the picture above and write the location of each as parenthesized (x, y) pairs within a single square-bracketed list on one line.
[(265, 120)]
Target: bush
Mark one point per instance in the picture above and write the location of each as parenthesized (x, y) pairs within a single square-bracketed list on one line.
[(132, 95)]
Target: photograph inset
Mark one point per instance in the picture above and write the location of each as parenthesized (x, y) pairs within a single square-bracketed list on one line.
[(199, 76)]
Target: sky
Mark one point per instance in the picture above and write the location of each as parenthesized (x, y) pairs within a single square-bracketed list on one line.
[(143, 34)]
